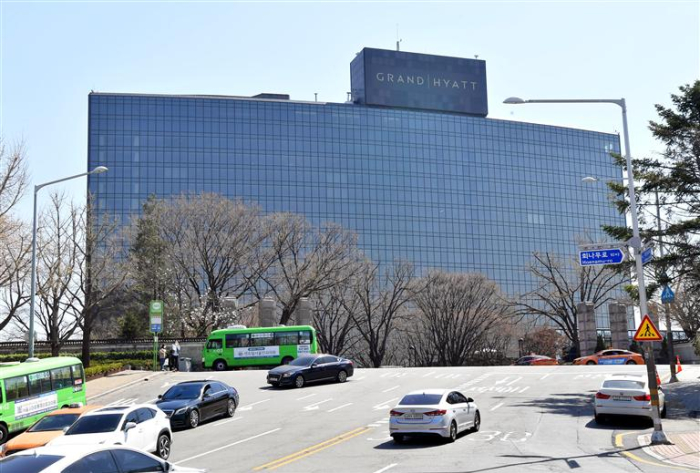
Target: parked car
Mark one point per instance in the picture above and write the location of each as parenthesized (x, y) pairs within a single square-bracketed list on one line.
[(82, 459), (310, 369), (626, 395), (536, 360), (188, 403), (612, 356), (49, 427), (140, 426), (434, 412)]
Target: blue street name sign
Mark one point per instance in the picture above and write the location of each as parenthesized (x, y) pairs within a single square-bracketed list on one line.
[(667, 296), (597, 257), (647, 255)]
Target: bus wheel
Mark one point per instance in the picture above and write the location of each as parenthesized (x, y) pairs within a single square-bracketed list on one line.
[(220, 365), (287, 359), (3, 433)]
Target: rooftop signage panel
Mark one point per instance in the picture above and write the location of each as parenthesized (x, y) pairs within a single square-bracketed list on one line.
[(419, 81)]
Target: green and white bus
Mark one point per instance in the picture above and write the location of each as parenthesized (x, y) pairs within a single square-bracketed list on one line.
[(32, 389), (260, 346)]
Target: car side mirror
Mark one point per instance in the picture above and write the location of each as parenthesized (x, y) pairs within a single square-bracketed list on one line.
[(167, 466), (470, 399), (65, 429), (129, 425), (314, 365), (160, 396)]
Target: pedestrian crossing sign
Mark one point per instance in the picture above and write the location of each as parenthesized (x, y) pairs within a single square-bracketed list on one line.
[(647, 331)]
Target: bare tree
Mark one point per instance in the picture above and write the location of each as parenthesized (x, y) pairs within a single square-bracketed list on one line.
[(303, 260), (561, 286), (334, 325), (685, 310), (15, 268), (13, 182), (458, 312), (381, 302)]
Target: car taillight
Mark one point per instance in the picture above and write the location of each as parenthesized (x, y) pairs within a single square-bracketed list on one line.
[(645, 397), (439, 412), (395, 413), (602, 396)]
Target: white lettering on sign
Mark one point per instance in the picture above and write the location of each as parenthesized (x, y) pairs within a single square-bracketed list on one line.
[(303, 349), (36, 405), (437, 82), (256, 352), (260, 335)]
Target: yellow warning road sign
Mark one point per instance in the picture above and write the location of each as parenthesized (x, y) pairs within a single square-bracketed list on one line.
[(647, 331)]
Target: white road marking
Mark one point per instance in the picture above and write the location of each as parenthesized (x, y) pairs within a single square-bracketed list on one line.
[(340, 407), (439, 375), (226, 421), (250, 406), (372, 425), (360, 378), (124, 401), (543, 377), (315, 405), (391, 389), (230, 445), (507, 378), (208, 378), (306, 397), (496, 406), (385, 404), (426, 375), (516, 379), (386, 468), (524, 389), (165, 385)]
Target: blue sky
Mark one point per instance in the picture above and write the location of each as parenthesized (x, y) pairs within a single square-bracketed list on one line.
[(53, 53)]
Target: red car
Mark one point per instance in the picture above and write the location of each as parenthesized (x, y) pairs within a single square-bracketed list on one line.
[(612, 356), (536, 360)]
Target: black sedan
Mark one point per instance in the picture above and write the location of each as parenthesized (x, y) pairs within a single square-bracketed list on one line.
[(191, 402), (310, 369)]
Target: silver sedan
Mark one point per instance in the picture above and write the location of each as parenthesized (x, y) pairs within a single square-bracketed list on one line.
[(434, 411)]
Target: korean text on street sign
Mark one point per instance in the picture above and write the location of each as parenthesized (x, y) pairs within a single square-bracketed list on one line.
[(667, 296), (597, 257), (647, 331), (155, 312), (647, 255)]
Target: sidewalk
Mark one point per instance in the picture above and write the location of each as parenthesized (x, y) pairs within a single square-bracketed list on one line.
[(685, 451), (107, 384)]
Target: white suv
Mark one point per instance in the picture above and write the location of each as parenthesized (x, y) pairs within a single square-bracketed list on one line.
[(139, 426)]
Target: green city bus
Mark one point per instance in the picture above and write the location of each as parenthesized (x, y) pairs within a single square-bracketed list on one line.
[(32, 389), (259, 346)]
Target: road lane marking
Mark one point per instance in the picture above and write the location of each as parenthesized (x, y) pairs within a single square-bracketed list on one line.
[(620, 444), (230, 445), (340, 407), (508, 378), (426, 375), (391, 389), (524, 389), (312, 450), (386, 468), (385, 404), (165, 385), (315, 405), (543, 377), (250, 406), (360, 378), (496, 406), (306, 397), (226, 421)]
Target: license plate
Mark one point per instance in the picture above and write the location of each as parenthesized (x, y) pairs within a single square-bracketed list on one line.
[(621, 398), (274, 378), (413, 416)]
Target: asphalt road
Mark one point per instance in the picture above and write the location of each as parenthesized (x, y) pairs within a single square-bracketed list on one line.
[(533, 419)]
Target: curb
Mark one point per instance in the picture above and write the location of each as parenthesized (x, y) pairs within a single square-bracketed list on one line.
[(153, 374)]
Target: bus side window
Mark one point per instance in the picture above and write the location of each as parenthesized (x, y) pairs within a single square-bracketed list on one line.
[(286, 338), (235, 340), (40, 382), (305, 337), (60, 377), (214, 344), (16, 388), (77, 371)]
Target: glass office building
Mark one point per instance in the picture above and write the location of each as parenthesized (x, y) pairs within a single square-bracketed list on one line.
[(441, 189)]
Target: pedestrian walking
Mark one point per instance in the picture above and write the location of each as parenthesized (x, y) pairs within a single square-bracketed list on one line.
[(175, 355), (162, 353)]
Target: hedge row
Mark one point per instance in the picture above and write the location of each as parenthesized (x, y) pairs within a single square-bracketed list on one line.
[(94, 357), (105, 368)]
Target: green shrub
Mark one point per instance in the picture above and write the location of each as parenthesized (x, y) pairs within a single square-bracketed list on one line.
[(97, 370)]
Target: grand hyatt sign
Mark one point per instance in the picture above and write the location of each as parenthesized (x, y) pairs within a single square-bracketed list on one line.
[(419, 81)]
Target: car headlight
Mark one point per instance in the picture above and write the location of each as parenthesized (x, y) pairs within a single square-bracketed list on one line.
[(182, 410), (286, 375)]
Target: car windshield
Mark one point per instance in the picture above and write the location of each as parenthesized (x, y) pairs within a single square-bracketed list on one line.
[(303, 361), (183, 391), (95, 424), (623, 384), (55, 422), (421, 399), (27, 463)]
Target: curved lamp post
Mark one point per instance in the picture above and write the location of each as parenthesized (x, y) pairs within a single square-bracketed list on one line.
[(635, 242), (97, 170)]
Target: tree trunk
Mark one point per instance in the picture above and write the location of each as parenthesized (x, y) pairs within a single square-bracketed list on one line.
[(87, 333)]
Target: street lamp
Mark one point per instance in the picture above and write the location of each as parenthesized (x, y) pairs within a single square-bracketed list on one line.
[(635, 242), (97, 170)]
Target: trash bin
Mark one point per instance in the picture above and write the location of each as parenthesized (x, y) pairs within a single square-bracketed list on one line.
[(184, 364)]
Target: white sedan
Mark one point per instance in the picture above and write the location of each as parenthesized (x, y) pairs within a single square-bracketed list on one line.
[(434, 411), (141, 426), (81, 459), (626, 395)]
